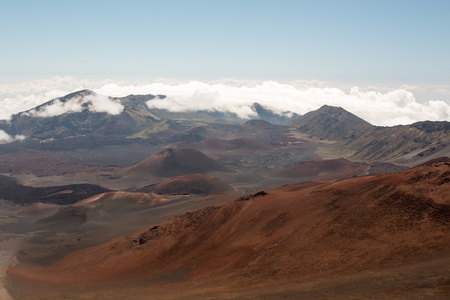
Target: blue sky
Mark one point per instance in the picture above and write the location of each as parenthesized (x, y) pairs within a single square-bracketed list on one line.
[(342, 41), (385, 61)]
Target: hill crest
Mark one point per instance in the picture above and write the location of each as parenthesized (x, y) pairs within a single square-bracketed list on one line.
[(331, 123), (175, 162)]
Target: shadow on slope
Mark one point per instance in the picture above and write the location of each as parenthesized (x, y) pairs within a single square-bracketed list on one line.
[(12, 191)]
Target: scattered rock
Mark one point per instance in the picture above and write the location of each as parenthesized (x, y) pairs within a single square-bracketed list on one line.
[(251, 196)]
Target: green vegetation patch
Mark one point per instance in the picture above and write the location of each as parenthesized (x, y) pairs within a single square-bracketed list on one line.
[(153, 129)]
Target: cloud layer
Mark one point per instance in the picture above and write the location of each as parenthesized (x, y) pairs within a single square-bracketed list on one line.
[(6, 138), (384, 106), (95, 103)]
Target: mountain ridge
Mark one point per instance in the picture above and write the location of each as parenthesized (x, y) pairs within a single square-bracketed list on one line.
[(357, 139), (338, 132), (66, 123), (331, 123)]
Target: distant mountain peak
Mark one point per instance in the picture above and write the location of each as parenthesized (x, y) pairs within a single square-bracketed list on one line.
[(267, 114), (136, 101), (328, 109), (64, 99), (84, 113), (176, 162), (82, 93), (331, 122)]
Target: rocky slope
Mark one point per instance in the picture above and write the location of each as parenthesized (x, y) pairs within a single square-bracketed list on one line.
[(337, 234), (331, 123), (175, 162), (356, 139)]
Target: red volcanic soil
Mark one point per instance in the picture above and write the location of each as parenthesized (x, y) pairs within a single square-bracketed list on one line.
[(199, 184), (129, 198), (325, 170), (38, 210), (175, 162), (437, 160), (375, 236)]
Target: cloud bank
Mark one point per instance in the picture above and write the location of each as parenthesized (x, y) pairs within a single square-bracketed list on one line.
[(6, 138), (95, 103), (384, 106)]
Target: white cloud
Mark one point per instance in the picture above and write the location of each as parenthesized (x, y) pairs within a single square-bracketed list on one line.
[(95, 103), (58, 108), (18, 97), (100, 103), (380, 105), (6, 138)]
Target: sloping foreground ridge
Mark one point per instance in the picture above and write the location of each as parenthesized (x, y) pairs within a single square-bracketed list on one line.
[(294, 234)]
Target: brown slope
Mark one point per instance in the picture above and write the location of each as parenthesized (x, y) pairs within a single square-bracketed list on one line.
[(437, 160), (293, 234), (199, 184), (175, 162), (102, 208), (59, 230), (324, 170)]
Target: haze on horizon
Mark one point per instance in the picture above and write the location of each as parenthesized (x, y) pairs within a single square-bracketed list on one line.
[(385, 61)]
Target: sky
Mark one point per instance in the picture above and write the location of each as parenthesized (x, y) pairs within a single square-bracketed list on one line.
[(342, 48), (247, 39)]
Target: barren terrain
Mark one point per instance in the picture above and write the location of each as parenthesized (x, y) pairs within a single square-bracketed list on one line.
[(383, 236)]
